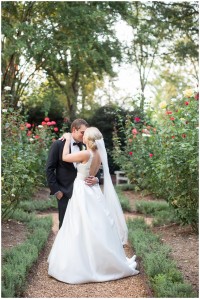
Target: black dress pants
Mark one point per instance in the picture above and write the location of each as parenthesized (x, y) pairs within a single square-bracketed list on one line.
[(62, 206)]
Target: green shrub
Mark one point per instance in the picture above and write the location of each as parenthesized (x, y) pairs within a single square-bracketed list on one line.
[(165, 288), (125, 187), (18, 260), (125, 204), (161, 155), (24, 155), (39, 205), (150, 207), (165, 278), (165, 217)]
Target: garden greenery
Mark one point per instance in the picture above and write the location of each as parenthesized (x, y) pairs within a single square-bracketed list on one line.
[(165, 278), (161, 155), (24, 153), (18, 260)]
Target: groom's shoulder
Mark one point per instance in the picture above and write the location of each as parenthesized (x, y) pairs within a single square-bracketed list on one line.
[(58, 143)]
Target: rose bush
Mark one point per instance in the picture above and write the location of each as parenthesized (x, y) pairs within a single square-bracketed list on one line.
[(164, 155), (24, 154)]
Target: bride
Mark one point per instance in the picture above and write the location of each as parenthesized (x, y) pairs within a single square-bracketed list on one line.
[(89, 245)]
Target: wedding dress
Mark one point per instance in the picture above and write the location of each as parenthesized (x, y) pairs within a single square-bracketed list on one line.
[(88, 247)]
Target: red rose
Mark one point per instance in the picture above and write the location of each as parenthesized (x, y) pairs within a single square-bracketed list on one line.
[(150, 155), (36, 136), (168, 112), (53, 122), (186, 103), (44, 123), (173, 137), (55, 129), (183, 135), (130, 153), (172, 118), (137, 119), (49, 123), (47, 119)]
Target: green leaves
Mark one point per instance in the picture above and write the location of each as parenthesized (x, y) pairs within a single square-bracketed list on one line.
[(172, 171)]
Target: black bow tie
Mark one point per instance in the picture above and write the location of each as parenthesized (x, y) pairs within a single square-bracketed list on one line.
[(79, 144)]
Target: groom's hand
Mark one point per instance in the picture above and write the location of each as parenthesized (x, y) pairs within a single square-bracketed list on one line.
[(59, 195), (91, 180)]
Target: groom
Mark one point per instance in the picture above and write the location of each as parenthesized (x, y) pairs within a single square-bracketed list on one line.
[(60, 174)]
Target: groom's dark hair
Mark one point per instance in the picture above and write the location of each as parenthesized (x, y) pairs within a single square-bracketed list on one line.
[(77, 123)]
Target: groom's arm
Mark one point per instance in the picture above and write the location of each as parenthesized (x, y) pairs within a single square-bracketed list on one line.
[(93, 180), (51, 165), (98, 175)]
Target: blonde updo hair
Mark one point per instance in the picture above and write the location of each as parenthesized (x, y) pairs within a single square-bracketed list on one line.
[(91, 134)]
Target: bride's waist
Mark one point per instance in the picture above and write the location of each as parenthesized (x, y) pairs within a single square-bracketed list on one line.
[(82, 176)]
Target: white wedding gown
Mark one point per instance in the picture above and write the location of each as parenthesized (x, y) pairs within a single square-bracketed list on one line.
[(87, 247)]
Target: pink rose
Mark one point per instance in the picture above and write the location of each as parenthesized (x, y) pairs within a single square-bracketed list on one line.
[(28, 125), (134, 131)]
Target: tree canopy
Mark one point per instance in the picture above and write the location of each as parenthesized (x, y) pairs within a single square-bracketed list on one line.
[(74, 45)]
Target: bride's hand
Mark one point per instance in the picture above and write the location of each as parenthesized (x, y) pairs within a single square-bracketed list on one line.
[(66, 136)]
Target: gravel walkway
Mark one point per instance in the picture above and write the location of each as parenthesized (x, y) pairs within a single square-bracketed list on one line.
[(40, 285)]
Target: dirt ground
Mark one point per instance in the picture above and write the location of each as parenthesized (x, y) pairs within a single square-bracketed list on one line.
[(183, 242)]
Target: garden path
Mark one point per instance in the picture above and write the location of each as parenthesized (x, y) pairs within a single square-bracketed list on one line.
[(40, 285)]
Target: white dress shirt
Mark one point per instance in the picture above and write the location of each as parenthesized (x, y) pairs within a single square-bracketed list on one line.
[(74, 149)]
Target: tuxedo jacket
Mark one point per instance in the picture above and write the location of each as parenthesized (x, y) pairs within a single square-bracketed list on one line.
[(60, 174)]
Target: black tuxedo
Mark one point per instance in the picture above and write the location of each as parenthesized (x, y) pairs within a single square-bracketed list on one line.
[(60, 176)]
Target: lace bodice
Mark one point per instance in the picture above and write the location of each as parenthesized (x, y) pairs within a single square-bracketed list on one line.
[(83, 170)]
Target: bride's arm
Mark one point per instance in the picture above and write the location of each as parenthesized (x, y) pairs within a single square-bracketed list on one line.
[(66, 146), (81, 156)]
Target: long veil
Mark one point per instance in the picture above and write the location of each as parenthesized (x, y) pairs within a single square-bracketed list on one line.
[(111, 195)]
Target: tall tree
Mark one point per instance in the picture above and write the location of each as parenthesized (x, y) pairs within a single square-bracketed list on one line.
[(164, 31), (70, 41), (16, 21)]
